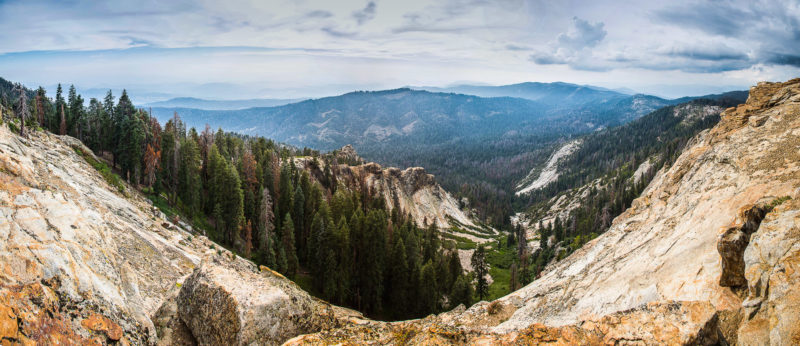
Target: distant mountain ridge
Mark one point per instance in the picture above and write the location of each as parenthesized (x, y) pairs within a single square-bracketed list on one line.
[(558, 94), (198, 103), (478, 147)]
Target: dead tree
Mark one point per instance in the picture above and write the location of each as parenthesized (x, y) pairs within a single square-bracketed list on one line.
[(22, 108), (62, 130)]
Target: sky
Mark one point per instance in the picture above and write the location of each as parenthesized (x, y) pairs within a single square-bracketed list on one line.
[(302, 48)]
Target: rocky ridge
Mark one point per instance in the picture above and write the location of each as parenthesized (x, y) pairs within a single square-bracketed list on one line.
[(84, 263), (412, 190), (709, 254)]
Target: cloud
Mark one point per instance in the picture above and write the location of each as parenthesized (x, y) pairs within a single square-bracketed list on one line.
[(582, 34), (338, 33), (769, 29), (574, 47), (493, 41), (516, 48), (366, 14), (784, 59), (717, 18), (708, 51)]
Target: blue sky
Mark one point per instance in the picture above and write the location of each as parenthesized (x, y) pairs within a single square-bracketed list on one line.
[(247, 49)]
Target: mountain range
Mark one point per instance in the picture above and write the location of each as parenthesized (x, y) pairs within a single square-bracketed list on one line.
[(478, 147), (706, 255), (198, 103)]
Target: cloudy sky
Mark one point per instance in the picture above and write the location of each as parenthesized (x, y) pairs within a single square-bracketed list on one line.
[(244, 49)]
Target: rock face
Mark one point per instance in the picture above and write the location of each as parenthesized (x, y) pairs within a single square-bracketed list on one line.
[(412, 190), (673, 323), (665, 247), (82, 262), (224, 306), (710, 254)]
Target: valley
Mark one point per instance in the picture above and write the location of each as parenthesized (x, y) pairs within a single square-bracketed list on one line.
[(382, 172), (678, 183)]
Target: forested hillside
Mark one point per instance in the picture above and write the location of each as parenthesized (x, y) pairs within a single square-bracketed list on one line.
[(477, 147), (245, 193), (558, 94), (598, 181)]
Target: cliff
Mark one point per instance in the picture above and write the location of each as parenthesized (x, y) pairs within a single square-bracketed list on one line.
[(412, 190), (709, 254), (83, 262)]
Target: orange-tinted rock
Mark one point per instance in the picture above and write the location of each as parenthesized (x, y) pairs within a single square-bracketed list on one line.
[(30, 316), (101, 324), (8, 322)]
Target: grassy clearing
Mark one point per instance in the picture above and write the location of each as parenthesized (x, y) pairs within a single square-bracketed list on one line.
[(112, 179), (500, 257), (461, 242), (162, 204)]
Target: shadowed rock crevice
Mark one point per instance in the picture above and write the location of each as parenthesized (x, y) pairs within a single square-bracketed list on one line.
[(734, 240)]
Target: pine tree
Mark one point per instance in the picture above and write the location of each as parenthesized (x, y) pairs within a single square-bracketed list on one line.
[(287, 240), (122, 114), (481, 269), (22, 108), (513, 283), (343, 261), (462, 292), (266, 220), (131, 152), (61, 121), (248, 238), (108, 140), (398, 278), (232, 202), (371, 258), (455, 268), (189, 181), (41, 95), (430, 294), (62, 128), (299, 218)]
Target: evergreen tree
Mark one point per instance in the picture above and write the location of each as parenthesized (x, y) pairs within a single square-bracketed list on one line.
[(287, 240), (481, 269), (131, 153), (342, 272), (56, 126), (398, 278), (108, 139), (190, 184), (455, 268), (430, 294), (299, 219), (232, 203), (462, 292)]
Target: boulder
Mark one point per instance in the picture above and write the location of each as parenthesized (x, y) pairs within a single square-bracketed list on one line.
[(221, 305)]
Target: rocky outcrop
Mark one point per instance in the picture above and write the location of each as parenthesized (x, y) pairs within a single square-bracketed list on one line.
[(348, 155), (771, 308), (83, 262), (224, 306), (670, 323), (734, 240), (710, 218), (412, 190), (665, 247)]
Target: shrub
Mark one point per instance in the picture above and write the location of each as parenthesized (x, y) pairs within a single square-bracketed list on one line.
[(494, 307)]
